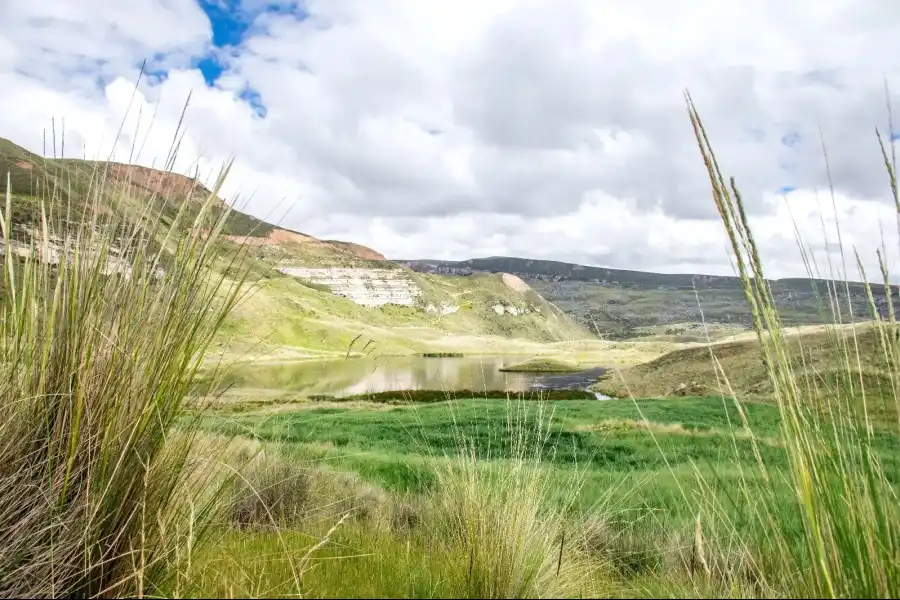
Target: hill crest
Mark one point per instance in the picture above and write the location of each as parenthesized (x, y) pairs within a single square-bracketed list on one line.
[(28, 172)]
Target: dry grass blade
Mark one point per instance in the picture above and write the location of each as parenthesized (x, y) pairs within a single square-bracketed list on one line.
[(846, 505)]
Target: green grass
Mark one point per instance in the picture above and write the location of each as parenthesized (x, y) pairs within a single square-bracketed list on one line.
[(844, 490), (609, 438), (693, 371), (286, 312), (365, 563), (636, 467), (542, 365)]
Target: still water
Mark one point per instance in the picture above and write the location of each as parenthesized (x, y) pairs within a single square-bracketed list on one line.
[(369, 375)]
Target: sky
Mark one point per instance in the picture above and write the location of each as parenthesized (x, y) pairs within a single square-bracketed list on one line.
[(548, 129)]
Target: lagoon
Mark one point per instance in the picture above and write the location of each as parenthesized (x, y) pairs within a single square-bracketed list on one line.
[(347, 377)]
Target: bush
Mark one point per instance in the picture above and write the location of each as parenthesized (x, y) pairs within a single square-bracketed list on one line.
[(501, 524)]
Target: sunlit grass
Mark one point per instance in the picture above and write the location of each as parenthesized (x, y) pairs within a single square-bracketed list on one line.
[(845, 501), (105, 315)]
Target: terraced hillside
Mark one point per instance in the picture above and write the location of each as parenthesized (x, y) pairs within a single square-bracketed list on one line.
[(619, 304)]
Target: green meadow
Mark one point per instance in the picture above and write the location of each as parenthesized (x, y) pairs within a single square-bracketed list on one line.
[(644, 468)]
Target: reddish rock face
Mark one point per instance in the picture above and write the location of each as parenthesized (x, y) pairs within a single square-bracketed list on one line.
[(175, 185), (282, 236), (167, 185), (360, 250)]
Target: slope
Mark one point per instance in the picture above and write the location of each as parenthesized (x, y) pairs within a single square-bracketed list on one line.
[(818, 362), (317, 296), (616, 303), (294, 317)]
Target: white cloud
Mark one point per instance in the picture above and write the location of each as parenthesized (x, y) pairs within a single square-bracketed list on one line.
[(450, 130)]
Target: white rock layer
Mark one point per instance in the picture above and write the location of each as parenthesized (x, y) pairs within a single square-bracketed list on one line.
[(367, 287)]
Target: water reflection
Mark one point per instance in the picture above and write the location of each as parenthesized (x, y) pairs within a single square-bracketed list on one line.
[(367, 375)]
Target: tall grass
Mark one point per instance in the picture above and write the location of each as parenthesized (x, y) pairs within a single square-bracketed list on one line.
[(840, 537), (505, 522), (106, 312)]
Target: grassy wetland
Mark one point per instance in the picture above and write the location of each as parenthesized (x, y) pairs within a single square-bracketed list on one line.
[(752, 467)]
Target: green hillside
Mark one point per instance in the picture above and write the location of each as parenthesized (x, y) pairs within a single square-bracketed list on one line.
[(291, 316), (33, 178), (288, 315)]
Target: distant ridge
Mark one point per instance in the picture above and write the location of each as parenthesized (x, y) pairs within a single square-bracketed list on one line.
[(622, 303), (542, 269)]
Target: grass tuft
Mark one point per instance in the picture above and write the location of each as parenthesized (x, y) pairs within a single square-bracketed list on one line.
[(542, 365), (502, 520), (105, 315)]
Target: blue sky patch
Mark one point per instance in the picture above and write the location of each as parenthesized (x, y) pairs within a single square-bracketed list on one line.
[(895, 137), (211, 68), (786, 189), (229, 23)]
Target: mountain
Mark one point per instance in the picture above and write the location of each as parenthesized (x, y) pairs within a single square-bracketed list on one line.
[(315, 296), (618, 303)]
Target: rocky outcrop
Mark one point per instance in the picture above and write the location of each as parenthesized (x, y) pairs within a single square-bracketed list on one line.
[(515, 311), (367, 287), (54, 250), (442, 309)]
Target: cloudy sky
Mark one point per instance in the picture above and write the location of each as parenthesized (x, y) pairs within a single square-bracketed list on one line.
[(433, 129)]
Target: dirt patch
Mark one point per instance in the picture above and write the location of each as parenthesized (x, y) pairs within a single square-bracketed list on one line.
[(362, 251), (274, 238), (277, 237), (165, 184), (608, 425), (282, 236), (24, 165), (612, 425)]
